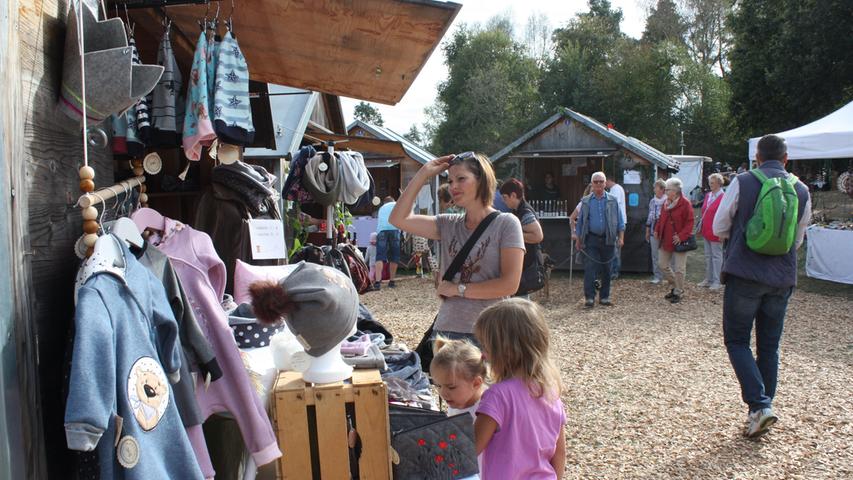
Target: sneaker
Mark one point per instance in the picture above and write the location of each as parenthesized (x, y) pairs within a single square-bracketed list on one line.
[(605, 301), (392, 284), (669, 295), (715, 287), (655, 281), (676, 295), (760, 422), (377, 285), (589, 303), (703, 284)]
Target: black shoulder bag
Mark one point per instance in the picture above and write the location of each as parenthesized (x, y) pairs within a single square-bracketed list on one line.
[(424, 348)]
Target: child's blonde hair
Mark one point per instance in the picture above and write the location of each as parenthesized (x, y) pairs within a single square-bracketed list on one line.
[(458, 356), (514, 335)]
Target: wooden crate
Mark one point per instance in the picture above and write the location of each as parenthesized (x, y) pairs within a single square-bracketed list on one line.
[(310, 420)]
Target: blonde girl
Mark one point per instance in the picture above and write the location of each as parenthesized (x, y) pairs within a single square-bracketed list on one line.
[(459, 373), (519, 425)]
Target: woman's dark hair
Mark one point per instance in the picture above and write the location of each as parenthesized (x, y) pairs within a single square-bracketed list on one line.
[(513, 185)]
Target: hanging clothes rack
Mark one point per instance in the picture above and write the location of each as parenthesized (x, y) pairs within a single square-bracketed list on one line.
[(101, 196)]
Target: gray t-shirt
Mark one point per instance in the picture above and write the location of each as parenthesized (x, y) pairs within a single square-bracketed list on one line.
[(483, 263)]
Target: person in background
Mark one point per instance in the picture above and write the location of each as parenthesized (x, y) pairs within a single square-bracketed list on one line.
[(387, 244), (499, 204), (713, 247), (550, 190), (674, 226), (757, 286), (512, 193), (600, 228), (520, 425), (492, 269), (655, 209), (445, 201), (742, 168), (370, 256), (619, 193)]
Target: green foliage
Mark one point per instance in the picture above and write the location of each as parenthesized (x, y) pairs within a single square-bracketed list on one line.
[(490, 96), (368, 113), (665, 24), (792, 62), (414, 135)]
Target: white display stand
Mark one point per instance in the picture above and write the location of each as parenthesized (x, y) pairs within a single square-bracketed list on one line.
[(829, 254)]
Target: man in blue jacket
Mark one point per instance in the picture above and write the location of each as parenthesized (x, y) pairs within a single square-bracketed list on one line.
[(758, 286), (600, 228)]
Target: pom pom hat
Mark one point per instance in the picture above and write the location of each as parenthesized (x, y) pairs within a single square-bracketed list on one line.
[(319, 303)]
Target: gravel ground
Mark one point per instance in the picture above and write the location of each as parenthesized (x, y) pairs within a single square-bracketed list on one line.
[(650, 392)]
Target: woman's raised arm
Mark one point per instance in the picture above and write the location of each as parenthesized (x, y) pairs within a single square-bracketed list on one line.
[(402, 216)]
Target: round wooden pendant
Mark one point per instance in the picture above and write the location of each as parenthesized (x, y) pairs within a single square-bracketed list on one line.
[(90, 213), (87, 173), (87, 185), (90, 226), (90, 239)]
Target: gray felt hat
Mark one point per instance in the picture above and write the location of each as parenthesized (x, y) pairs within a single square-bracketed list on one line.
[(322, 178), (113, 83), (326, 306)]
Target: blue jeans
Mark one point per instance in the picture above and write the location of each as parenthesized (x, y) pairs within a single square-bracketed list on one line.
[(388, 246), (746, 301), (616, 263), (596, 265)]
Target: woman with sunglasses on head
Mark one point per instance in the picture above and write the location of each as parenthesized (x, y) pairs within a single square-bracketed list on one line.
[(492, 269)]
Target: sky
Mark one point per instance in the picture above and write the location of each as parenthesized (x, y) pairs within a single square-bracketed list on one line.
[(410, 110)]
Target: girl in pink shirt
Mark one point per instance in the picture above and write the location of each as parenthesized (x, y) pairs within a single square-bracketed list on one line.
[(519, 425)]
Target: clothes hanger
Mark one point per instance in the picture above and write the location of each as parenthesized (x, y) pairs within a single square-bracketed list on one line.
[(124, 228), (202, 24), (106, 248), (229, 24)]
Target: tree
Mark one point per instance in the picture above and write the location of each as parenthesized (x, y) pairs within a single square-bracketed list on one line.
[(792, 62), (414, 135), (709, 37), (490, 95), (664, 23), (368, 113)]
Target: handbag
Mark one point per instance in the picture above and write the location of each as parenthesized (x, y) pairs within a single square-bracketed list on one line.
[(687, 245), (424, 348), (533, 275), (431, 445)]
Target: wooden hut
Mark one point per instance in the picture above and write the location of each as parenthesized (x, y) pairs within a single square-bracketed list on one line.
[(571, 147), (370, 49)]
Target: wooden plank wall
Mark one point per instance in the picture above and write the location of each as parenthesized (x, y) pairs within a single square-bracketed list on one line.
[(50, 224)]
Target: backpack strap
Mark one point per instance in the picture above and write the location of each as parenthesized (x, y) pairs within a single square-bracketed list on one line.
[(759, 175)]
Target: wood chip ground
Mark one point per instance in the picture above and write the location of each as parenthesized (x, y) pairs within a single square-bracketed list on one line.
[(650, 392)]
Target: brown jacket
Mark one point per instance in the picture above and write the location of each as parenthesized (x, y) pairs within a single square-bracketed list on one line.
[(224, 214)]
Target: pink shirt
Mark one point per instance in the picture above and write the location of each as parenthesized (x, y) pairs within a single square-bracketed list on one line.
[(526, 438)]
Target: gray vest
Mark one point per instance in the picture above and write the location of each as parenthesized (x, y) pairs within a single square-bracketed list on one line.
[(611, 213), (778, 271)]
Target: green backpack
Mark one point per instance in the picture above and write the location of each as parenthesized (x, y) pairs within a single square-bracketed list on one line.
[(773, 226)]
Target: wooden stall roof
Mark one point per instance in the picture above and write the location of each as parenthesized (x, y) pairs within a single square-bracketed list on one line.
[(366, 145), (365, 49)]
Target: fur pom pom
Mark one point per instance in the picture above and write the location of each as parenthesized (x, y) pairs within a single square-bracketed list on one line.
[(269, 301)]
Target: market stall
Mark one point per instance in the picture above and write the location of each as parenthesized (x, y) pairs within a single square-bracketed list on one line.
[(569, 147), (199, 181)]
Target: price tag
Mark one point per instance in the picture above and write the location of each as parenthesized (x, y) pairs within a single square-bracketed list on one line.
[(267, 239)]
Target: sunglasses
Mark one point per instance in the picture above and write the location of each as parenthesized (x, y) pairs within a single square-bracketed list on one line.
[(598, 181), (461, 157)]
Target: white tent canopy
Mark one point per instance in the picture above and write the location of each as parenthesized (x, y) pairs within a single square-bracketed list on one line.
[(828, 137)]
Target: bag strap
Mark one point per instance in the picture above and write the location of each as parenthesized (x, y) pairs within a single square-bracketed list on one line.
[(460, 257)]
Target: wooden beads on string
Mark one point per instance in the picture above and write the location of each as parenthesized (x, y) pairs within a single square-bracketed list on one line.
[(90, 214), (139, 171)]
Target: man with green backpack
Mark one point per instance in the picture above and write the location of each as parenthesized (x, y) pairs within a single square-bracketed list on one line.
[(763, 217)]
